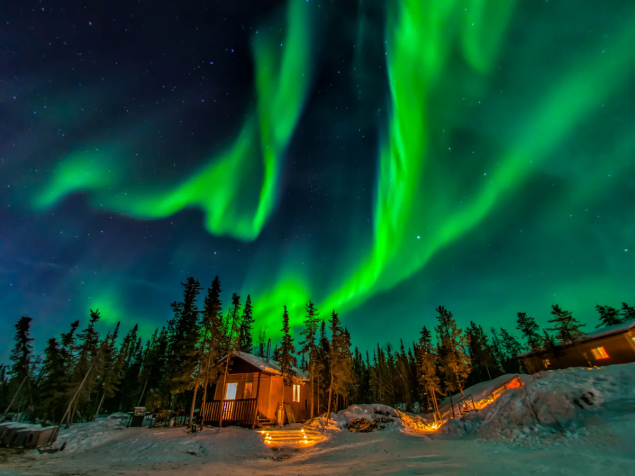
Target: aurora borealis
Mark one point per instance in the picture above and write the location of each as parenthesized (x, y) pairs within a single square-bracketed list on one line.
[(379, 157)]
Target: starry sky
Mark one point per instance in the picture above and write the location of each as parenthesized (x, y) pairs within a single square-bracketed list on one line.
[(378, 157)]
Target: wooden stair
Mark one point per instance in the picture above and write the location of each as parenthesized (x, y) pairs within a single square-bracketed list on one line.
[(291, 438), (265, 422)]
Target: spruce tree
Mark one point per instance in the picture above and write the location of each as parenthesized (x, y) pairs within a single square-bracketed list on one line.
[(309, 346), (213, 329), (551, 346), (497, 348), (511, 348), (246, 327), (51, 388), (428, 378), (529, 329), (340, 361), (628, 312), (455, 364), (609, 316), (184, 343), (566, 327), (85, 369), (286, 359), (108, 379), (262, 342), (484, 364), (22, 350)]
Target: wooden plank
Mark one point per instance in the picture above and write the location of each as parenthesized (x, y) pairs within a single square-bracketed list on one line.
[(290, 415)]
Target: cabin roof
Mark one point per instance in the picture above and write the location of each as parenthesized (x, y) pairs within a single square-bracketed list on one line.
[(597, 334), (269, 367)]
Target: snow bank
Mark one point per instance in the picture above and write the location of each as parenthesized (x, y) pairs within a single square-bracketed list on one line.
[(340, 420), (554, 404), (84, 436)]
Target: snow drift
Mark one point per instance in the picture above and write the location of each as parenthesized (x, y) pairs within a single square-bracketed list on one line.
[(341, 419), (553, 404)]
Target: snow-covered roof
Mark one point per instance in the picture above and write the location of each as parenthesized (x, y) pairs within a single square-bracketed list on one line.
[(266, 366), (598, 334)]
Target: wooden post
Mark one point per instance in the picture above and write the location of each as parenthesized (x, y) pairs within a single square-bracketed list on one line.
[(257, 395), (14, 397), (142, 392), (99, 406), (55, 432)]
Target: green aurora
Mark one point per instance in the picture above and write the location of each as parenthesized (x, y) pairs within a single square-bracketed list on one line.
[(478, 125)]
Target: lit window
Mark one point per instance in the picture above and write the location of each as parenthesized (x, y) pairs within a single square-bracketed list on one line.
[(230, 394), (600, 353), (248, 388), (547, 363), (296, 393)]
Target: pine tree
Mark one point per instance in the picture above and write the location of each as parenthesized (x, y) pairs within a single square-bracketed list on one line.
[(309, 345), (22, 350), (551, 346), (484, 364), (246, 326), (497, 348), (566, 327), (428, 378), (286, 359), (185, 338), (340, 361), (262, 342), (213, 329), (85, 369), (609, 316), (50, 390), (628, 312), (455, 364), (511, 348), (529, 329)]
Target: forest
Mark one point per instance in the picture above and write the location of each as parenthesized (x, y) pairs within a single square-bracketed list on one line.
[(83, 373)]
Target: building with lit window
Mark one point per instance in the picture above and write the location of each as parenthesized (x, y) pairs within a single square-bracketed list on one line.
[(605, 346), (254, 394)]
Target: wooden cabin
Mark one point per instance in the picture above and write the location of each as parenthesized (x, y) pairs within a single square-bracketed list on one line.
[(605, 346), (255, 395)]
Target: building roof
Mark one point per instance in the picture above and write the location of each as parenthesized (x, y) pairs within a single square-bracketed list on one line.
[(270, 367), (597, 334)]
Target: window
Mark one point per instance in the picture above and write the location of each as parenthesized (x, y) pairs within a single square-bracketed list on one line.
[(296, 393), (547, 363), (248, 388), (600, 353), (230, 393)]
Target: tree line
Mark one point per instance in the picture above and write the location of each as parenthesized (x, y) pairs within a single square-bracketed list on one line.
[(83, 373)]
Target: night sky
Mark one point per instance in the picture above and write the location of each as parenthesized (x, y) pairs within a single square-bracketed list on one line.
[(379, 157)]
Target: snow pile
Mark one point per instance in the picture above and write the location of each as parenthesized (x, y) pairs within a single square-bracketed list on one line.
[(84, 436), (343, 418), (554, 404)]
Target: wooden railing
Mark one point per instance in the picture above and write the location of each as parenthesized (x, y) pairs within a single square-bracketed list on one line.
[(235, 412), (457, 407), (511, 383), (466, 403)]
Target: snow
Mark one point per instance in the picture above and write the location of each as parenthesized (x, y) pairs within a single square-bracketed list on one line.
[(339, 420), (582, 423), (563, 402)]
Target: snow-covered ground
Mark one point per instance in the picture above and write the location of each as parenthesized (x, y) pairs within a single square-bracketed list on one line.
[(565, 422)]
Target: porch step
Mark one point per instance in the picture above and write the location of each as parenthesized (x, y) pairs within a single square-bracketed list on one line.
[(296, 438)]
